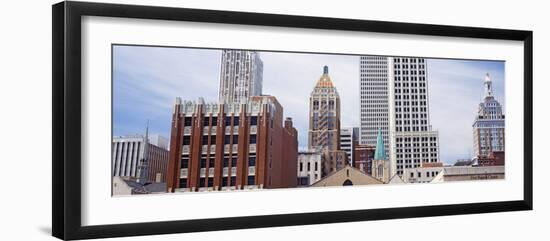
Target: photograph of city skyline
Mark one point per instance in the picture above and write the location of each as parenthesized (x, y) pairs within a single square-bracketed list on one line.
[(194, 119)]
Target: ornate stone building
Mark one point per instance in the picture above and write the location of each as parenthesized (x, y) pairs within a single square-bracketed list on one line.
[(324, 124), (488, 127), (324, 115)]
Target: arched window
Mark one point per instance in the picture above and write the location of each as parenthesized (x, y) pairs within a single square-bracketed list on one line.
[(347, 182), (380, 170)]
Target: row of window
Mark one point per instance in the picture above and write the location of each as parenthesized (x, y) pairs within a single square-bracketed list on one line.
[(209, 182), (211, 163)]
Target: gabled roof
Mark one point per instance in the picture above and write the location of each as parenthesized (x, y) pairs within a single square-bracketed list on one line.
[(396, 179), (354, 175)]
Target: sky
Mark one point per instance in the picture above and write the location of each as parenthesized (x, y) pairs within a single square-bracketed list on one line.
[(146, 81)]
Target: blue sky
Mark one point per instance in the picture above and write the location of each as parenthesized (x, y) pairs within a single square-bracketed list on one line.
[(146, 81)]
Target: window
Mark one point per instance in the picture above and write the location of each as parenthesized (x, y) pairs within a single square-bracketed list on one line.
[(235, 140), (186, 140), (301, 166), (252, 161), (205, 140), (210, 182), (308, 166), (226, 162), (203, 163), (316, 166), (206, 121), (234, 162), (184, 163), (235, 120), (210, 163), (253, 120), (227, 139), (224, 182), (201, 182), (251, 180), (183, 183), (214, 121), (188, 121), (227, 121), (252, 139), (233, 181)]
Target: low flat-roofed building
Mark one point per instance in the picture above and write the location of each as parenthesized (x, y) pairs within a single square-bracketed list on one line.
[(466, 173)]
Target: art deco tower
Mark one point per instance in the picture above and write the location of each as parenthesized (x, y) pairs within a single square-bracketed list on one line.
[(241, 76), (488, 127), (394, 99), (324, 115)]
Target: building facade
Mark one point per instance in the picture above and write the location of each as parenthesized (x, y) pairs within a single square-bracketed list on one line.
[(488, 127), (324, 115), (309, 167), (241, 76), (495, 158), (362, 157), (394, 99), (349, 138), (424, 174), (468, 173), (135, 157), (231, 146)]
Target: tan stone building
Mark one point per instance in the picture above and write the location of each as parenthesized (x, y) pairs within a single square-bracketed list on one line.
[(347, 176)]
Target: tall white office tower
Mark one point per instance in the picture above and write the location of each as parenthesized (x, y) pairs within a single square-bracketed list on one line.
[(488, 127), (241, 76), (394, 98)]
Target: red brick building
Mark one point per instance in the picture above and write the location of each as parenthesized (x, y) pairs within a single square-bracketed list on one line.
[(231, 146), (362, 157), (495, 158)]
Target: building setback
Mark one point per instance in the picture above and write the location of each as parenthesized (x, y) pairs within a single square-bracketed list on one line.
[(131, 159), (231, 146), (488, 127), (394, 98), (309, 167), (348, 137), (241, 76)]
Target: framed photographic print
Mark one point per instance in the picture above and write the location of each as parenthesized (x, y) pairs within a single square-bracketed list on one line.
[(171, 120)]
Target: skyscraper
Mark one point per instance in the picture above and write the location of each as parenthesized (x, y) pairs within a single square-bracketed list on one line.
[(324, 115), (394, 99), (241, 76), (324, 125), (488, 127)]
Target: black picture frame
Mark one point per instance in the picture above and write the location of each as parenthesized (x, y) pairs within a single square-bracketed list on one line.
[(66, 127)]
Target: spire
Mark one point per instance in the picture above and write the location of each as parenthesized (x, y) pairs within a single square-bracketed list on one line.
[(380, 152), (488, 86), (324, 81)]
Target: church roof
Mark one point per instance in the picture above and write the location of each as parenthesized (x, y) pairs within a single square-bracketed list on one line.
[(380, 152), (348, 174)]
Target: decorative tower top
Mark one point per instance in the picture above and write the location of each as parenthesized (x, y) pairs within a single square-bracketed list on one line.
[(324, 81), (488, 86), (380, 152)]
